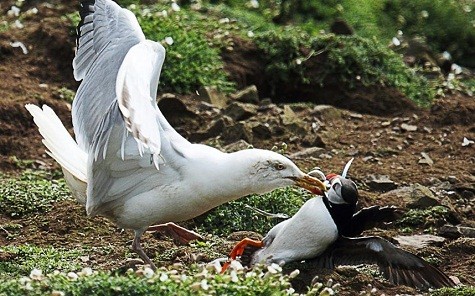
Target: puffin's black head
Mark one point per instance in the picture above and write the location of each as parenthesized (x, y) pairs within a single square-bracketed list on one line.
[(342, 191)]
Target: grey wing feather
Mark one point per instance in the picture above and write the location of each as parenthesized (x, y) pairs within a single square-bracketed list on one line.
[(106, 33), (398, 266)]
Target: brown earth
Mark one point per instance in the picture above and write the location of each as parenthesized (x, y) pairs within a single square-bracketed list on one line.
[(377, 142)]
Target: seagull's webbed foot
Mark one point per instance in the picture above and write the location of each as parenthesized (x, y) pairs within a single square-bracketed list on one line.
[(239, 249), (180, 234), (137, 248)]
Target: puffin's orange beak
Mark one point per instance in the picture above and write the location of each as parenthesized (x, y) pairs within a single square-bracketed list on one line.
[(312, 184)]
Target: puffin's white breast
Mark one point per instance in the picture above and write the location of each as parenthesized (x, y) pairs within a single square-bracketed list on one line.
[(306, 235)]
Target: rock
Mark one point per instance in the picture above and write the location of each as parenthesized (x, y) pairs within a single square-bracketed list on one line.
[(236, 146), (312, 140), (174, 109), (420, 240), (381, 183), (326, 112), (216, 127), (356, 116), (453, 232), (414, 196), (211, 95), (240, 111), (247, 95), (292, 121), (238, 131), (426, 159), (408, 128), (306, 153), (262, 131)]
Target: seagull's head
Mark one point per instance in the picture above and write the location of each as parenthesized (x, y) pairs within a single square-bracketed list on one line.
[(269, 170)]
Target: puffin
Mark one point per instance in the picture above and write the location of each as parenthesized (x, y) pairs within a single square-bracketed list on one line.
[(324, 234), (127, 163)]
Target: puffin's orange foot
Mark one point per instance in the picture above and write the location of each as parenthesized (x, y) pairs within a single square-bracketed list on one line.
[(239, 249)]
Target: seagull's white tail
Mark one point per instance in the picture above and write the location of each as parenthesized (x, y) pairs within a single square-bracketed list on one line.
[(62, 147)]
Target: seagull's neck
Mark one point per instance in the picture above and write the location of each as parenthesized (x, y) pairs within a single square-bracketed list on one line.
[(222, 177)]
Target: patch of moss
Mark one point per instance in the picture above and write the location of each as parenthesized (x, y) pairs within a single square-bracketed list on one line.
[(239, 215), (32, 192), (432, 216)]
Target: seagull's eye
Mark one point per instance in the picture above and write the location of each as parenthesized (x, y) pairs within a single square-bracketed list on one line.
[(279, 166)]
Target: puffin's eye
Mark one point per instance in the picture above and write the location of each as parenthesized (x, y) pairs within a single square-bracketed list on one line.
[(279, 166)]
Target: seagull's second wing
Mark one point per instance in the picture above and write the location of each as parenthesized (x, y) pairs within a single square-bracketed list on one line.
[(398, 266)]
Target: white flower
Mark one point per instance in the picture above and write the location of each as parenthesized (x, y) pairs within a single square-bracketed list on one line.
[(169, 40), (163, 277), (250, 34), (36, 274), (396, 41), (72, 276), (86, 271), (18, 24), (204, 285), (254, 3), (446, 55), (148, 272), (175, 7), (234, 277), (164, 13), (424, 14), (456, 69), (14, 11)]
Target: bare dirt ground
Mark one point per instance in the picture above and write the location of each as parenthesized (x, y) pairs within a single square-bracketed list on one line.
[(379, 144)]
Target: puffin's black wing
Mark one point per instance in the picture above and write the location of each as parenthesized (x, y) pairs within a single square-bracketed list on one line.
[(398, 266), (368, 218)]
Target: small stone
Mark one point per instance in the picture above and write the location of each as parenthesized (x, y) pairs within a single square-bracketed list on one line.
[(381, 183), (240, 111), (420, 240), (236, 146), (238, 131), (356, 116), (306, 153), (262, 131), (426, 159), (292, 121), (313, 140), (385, 123), (173, 108), (212, 95), (408, 128), (247, 95), (326, 112)]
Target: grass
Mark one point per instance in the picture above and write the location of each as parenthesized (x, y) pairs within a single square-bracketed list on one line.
[(458, 291), (197, 281), (32, 192), (25, 258)]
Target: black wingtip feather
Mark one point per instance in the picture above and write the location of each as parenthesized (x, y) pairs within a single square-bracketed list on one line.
[(86, 8)]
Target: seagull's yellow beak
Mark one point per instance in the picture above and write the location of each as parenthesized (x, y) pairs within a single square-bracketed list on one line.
[(312, 184)]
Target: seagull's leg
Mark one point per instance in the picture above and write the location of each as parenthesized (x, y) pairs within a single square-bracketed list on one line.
[(239, 249), (182, 235), (137, 248)]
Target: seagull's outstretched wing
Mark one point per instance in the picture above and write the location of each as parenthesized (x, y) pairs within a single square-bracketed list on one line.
[(398, 266), (120, 72)]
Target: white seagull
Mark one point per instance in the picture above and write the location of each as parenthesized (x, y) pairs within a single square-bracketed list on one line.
[(127, 163)]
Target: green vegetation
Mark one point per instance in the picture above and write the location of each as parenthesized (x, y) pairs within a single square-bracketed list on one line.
[(238, 215), (32, 192), (192, 44), (195, 38), (197, 281), (433, 216), (458, 291), (349, 60), (23, 259)]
